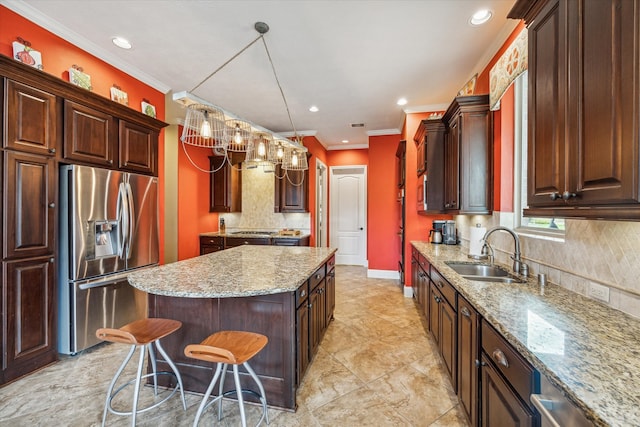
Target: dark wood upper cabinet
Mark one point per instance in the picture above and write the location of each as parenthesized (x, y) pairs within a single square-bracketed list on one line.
[(292, 190), (401, 163), (430, 145), (89, 135), (584, 79), (29, 205), (31, 119), (138, 148), (468, 151), (225, 186)]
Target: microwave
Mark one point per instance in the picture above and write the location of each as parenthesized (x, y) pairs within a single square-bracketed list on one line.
[(422, 193)]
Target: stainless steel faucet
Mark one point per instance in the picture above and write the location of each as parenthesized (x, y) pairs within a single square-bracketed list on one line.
[(519, 267)]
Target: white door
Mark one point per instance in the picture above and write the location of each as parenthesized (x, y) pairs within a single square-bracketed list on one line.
[(348, 231)]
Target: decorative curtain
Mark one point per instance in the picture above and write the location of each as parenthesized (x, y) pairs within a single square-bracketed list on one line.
[(511, 64)]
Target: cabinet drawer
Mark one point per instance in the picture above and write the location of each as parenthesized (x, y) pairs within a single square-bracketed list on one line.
[(316, 277), (424, 264), (302, 293), (212, 241), (239, 241), (518, 372), (331, 263), (445, 288)]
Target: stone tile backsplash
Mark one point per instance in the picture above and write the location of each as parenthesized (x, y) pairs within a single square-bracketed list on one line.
[(257, 207), (592, 255)]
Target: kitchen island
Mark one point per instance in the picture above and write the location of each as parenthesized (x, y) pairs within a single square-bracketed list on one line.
[(249, 288)]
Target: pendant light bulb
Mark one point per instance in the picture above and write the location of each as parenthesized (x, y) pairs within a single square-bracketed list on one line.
[(294, 159), (261, 149), (280, 152), (238, 136), (205, 129)]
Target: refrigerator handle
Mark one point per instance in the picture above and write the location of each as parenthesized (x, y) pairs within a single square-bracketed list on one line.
[(131, 219), (123, 220)]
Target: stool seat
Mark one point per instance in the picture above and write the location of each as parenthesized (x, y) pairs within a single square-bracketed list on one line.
[(142, 334), (230, 348)]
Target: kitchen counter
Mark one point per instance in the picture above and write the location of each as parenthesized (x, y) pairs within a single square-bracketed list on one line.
[(237, 272), (590, 351)]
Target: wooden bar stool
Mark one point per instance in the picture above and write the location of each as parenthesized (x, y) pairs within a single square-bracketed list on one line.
[(141, 334), (230, 348)]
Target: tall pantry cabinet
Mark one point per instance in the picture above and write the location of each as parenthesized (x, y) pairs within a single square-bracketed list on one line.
[(28, 228), (46, 122)]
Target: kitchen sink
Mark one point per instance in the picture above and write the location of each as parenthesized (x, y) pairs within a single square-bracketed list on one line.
[(483, 272)]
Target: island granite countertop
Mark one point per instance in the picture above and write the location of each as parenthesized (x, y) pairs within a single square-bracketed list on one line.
[(242, 271), (587, 349)]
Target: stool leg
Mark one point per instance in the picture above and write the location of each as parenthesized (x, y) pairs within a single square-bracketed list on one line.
[(236, 378), (107, 404), (152, 357), (221, 388), (207, 394), (263, 396), (175, 371), (136, 391)]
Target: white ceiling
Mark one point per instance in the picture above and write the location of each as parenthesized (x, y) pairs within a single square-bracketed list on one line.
[(351, 58)]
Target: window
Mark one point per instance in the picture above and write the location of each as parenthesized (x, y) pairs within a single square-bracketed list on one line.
[(532, 224)]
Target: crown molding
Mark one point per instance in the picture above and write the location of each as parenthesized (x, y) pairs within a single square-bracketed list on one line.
[(34, 15)]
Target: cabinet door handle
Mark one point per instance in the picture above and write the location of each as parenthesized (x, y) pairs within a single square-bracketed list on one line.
[(567, 195), (52, 205), (303, 293), (555, 195), (110, 161), (465, 312), (499, 357), (52, 150), (51, 260)]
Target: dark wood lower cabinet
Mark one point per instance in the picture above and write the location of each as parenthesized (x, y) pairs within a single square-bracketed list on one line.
[(302, 333), (500, 405), (468, 358), (28, 297)]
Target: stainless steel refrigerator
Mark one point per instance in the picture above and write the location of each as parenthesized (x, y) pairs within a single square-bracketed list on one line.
[(108, 227)]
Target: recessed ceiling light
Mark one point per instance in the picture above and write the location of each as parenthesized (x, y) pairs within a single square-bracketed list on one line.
[(480, 17), (402, 101), (344, 141), (313, 109), (121, 42)]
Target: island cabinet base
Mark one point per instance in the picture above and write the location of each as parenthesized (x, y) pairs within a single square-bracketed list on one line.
[(271, 315)]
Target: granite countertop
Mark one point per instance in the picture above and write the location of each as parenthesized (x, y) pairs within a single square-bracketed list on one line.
[(271, 234), (587, 349), (246, 270)]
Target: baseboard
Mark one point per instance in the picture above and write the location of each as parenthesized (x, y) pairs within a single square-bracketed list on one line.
[(383, 274), (408, 292)]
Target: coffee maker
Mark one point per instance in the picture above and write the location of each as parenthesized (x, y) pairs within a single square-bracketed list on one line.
[(435, 234), (449, 235)]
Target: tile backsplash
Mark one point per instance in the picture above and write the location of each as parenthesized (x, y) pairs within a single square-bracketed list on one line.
[(257, 213), (597, 259)]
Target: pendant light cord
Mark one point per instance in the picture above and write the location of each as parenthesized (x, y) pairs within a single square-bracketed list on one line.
[(286, 105), (228, 61)]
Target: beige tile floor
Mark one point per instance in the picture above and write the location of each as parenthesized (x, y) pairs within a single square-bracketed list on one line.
[(376, 367)]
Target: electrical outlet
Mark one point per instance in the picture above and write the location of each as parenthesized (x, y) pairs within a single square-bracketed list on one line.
[(599, 292)]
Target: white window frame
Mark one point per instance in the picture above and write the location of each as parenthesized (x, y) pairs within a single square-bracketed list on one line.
[(519, 170)]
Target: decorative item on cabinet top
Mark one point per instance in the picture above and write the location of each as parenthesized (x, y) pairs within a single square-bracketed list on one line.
[(23, 52), (78, 77)]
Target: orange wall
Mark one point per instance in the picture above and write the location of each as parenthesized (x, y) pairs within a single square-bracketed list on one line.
[(193, 200), (58, 55), (383, 210)]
